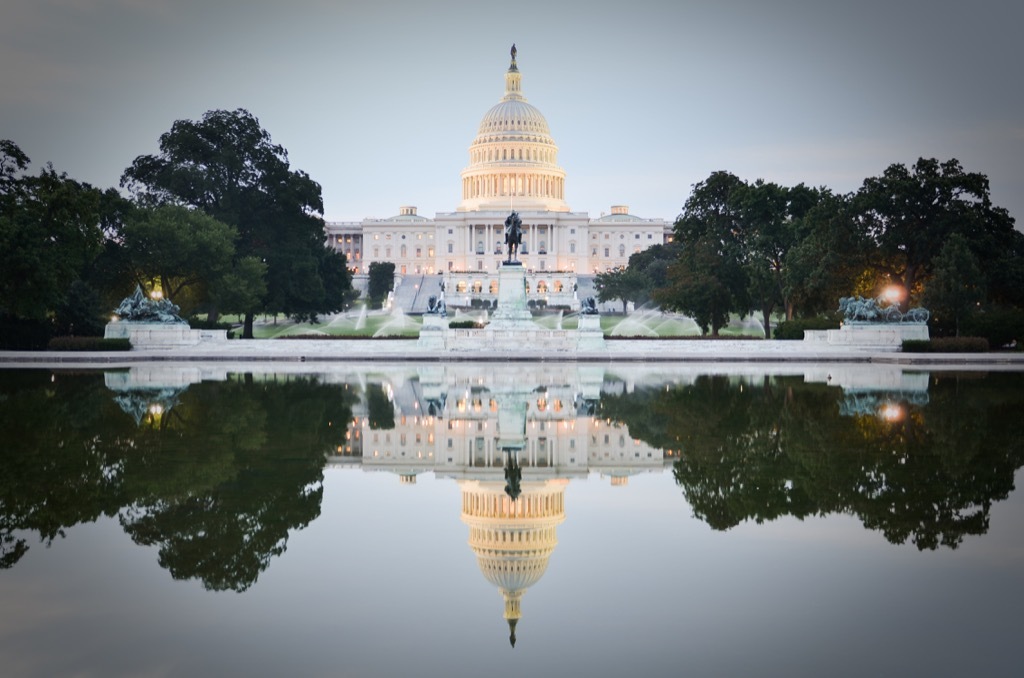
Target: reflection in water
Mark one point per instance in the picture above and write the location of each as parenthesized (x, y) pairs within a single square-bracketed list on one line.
[(215, 469)]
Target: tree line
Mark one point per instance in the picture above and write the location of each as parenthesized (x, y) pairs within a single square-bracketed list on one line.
[(929, 233), (218, 221)]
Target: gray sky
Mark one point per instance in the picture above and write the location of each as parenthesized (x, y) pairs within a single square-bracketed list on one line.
[(379, 101)]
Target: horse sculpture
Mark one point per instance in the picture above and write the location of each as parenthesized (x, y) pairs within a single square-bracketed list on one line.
[(513, 236)]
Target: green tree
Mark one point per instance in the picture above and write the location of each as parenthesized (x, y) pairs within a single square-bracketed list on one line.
[(381, 281), (242, 288), (185, 249), (623, 283), (227, 166), (50, 232), (828, 259), (957, 287), (909, 213), (709, 282)]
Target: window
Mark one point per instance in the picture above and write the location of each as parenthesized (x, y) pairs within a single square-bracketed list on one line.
[(451, 248), (607, 253), (572, 248)]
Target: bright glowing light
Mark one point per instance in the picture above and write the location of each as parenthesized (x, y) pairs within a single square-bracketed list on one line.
[(891, 412), (893, 294), (156, 294)]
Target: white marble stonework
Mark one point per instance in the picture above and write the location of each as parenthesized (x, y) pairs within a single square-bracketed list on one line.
[(161, 335)]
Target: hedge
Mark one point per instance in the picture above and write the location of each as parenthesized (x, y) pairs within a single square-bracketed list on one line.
[(88, 344), (946, 345), (794, 329)]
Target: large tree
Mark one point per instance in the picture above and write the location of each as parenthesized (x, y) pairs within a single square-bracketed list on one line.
[(182, 248), (957, 288), (908, 214), (709, 282), (226, 165), (623, 283), (50, 232)]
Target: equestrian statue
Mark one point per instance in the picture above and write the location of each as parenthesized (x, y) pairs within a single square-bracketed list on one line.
[(513, 236)]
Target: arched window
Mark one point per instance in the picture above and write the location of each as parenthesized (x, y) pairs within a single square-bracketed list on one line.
[(542, 287), (622, 250), (494, 287), (478, 287), (479, 246), (460, 287), (558, 286), (404, 252), (542, 247)]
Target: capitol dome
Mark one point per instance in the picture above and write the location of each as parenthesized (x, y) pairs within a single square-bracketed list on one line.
[(513, 161)]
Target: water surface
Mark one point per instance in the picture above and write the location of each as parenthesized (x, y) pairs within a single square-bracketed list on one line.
[(797, 521)]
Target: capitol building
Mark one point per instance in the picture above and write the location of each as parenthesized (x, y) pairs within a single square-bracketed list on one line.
[(513, 165)]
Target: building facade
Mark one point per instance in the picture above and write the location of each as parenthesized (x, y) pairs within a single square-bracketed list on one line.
[(513, 165)]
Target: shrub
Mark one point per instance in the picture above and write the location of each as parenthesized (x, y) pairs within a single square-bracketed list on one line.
[(1001, 326), (794, 329), (88, 344), (947, 345), (463, 325)]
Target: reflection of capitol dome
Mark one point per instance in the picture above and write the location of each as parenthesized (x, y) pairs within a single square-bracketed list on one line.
[(513, 540), (513, 161)]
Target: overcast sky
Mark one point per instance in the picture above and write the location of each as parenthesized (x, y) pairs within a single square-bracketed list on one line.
[(379, 101)]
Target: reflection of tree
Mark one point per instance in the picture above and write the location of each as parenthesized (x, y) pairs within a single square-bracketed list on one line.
[(60, 462), (781, 448), (216, 482), (241, 466), (380, 412)]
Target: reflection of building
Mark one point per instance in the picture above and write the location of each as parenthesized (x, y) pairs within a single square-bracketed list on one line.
[(513, 164), (513, 540), (454, 421)]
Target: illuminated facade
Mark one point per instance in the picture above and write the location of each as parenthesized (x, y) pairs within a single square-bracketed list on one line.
[(513, 164)]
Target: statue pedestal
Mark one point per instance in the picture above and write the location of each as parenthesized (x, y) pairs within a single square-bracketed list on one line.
[(590, 336), (433, 331), (512, 312), (869, 335), (161, 335)]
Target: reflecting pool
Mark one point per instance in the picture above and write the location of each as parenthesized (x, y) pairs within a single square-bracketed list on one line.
[(511, 519)]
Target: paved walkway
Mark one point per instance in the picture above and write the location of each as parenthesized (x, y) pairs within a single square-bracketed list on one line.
[(407, 350)]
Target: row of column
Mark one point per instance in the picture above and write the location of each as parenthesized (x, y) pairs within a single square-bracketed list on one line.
[(494, 236), (500, 506), (498, 185)]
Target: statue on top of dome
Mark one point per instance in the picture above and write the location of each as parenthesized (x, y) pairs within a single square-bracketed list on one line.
[(513, 51)]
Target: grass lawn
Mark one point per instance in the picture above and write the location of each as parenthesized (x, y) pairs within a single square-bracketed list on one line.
[(356, 323)]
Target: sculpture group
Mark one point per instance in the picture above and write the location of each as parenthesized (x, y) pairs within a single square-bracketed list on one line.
[(860, 310), (139, 308)]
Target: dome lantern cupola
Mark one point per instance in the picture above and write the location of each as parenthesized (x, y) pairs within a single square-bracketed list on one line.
[(513, 161)]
